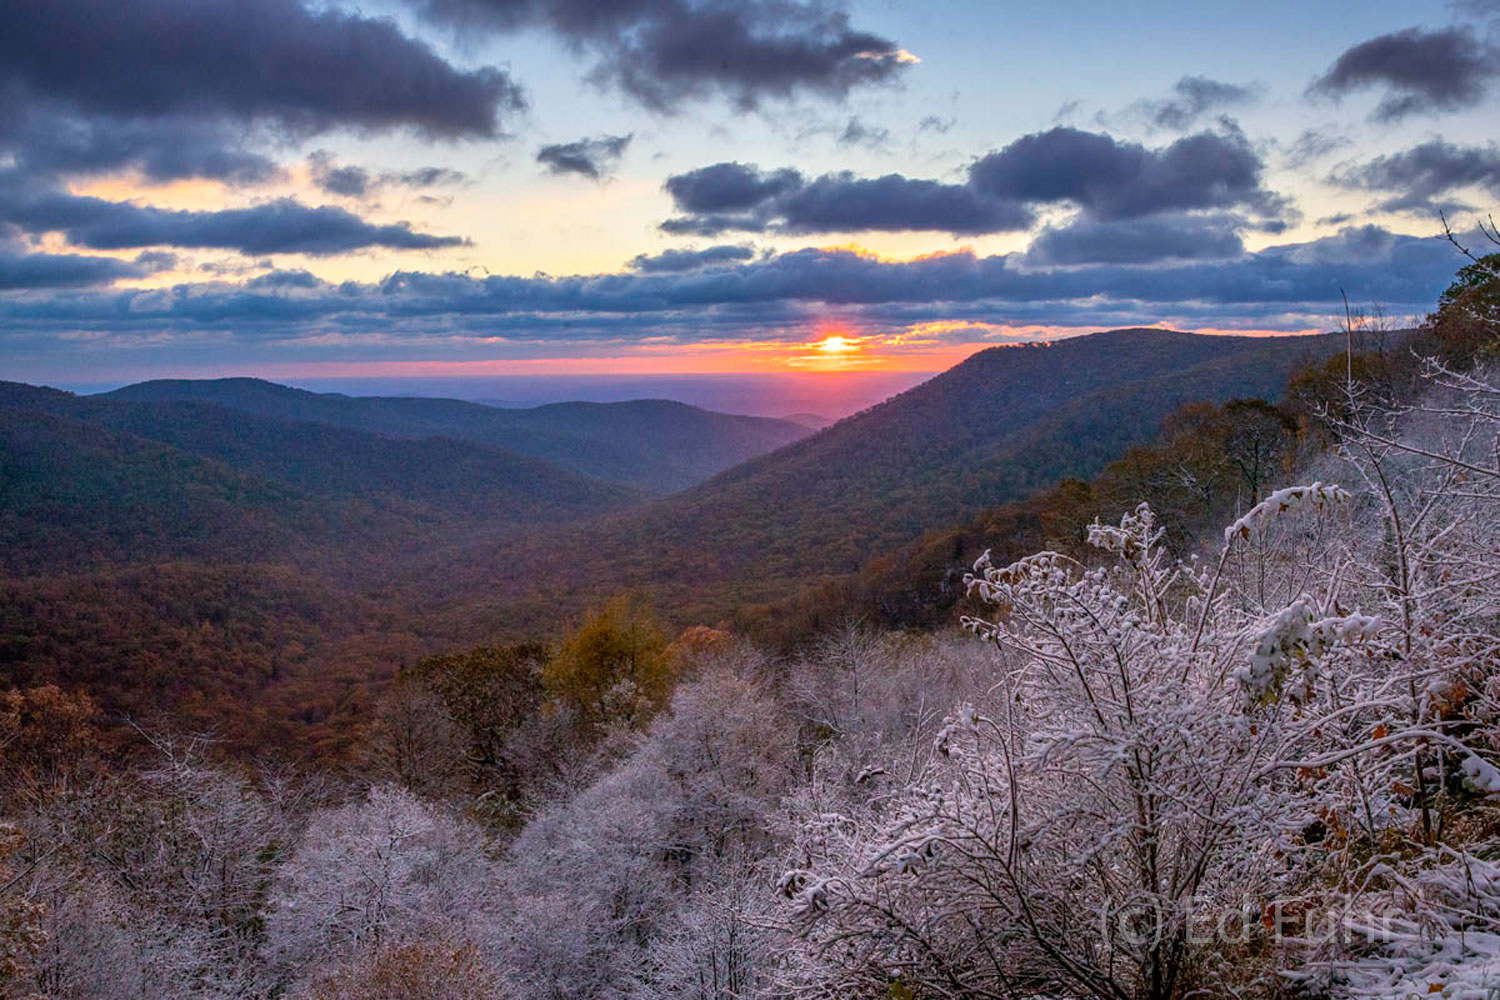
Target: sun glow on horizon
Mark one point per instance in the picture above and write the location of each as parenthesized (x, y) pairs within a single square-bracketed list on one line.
[(831, 348)]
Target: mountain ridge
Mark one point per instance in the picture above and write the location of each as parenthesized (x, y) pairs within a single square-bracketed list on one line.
[(111, 467), (660, 446)]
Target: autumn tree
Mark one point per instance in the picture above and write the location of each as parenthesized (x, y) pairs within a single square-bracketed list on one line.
[(47, 736), (438, 969), (412, 741), (614, 667), (1467, 320), (456, 715)]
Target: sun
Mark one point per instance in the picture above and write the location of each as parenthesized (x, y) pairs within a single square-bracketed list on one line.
[(837, 345), (839, 349)]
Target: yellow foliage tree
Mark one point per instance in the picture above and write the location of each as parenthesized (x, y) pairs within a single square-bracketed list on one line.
[(615, 666)]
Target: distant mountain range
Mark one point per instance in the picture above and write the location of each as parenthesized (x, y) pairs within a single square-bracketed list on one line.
[(650, 444), (89, 480)]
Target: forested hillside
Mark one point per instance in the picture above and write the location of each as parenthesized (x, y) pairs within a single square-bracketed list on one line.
[(101, 481), (1002, 424), (650, 444)]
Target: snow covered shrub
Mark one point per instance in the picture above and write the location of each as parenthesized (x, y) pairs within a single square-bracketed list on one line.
[(1263, 514), (1430, 928), (387, 870), (96, 948), (1404, 751), (22, 935), (859, 685), (1077, 829), (1297, 637), (715, 944), (622, 885), (154, 882)]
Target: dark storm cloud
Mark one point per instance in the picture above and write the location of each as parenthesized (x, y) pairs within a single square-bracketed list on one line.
[(1422, 176), (1193, 97), (178, 89), (1139, 241), (663, 52), (592, 158), (248, 60), (1118, 180), (22, 271), (675, 261), (838, 203), (49, 141), (1420, 71), (283, 226)]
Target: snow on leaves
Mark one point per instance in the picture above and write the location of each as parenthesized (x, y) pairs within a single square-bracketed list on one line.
[(1317, 496), (1297, 637)]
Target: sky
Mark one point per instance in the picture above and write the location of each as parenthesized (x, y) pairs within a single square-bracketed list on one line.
[(429, 189)]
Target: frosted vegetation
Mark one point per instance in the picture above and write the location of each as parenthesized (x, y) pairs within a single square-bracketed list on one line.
[(1267, 768)]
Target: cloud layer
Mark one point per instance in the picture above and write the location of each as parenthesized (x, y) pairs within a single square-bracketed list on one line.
[(1139, 241), (672, 261), (1113, 179), (180, 89), (1423, 178), (100, 102), (713, 298), (249, 61), (281, 226)]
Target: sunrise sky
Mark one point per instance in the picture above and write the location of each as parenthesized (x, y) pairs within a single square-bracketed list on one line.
[(470, 187)]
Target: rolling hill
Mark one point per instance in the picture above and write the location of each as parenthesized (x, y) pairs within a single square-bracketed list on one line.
[(650, 444)]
